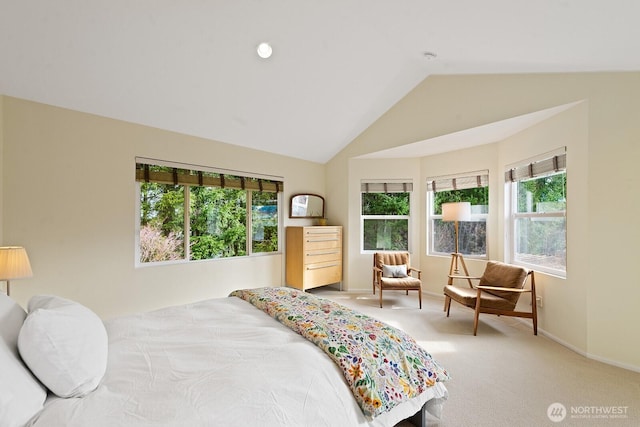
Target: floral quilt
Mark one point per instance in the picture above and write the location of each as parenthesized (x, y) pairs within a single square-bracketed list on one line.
[(382, 365)]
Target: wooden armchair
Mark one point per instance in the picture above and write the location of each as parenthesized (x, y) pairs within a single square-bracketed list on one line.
[(498, 292), (392, 271)]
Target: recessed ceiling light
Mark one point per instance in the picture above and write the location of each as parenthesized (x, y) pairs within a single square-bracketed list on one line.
[(264, 50)]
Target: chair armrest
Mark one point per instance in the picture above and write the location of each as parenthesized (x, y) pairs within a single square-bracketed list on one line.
[(498, 288), (413, 269), (377, 275), (454, 276)]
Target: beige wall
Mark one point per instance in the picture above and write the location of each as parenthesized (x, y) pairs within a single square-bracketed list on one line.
[(593, 310), (69, 198)]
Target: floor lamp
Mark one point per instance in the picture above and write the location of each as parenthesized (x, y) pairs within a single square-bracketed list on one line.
[(14, 264), (459, 211)]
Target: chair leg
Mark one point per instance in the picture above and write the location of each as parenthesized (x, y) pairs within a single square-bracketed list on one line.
[(475, 325), (420, 298), (380, 296), (447, 304), (477, 315), (534, 305)]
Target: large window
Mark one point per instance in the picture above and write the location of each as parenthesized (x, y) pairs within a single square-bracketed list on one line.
[(385, 214), (470, 187), (193, 214), (538, 193)]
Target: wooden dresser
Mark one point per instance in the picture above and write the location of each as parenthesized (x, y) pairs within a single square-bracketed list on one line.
[(314, 256)]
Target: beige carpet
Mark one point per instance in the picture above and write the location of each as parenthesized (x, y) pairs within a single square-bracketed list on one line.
[(506, 376)]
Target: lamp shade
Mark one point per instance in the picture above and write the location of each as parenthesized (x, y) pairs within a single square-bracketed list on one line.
[(459, 211), (14, 263)]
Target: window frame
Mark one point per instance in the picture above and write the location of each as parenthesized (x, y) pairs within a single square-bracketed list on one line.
[(514, 215), (467, 179), (363, 218), (186, 212), (511, 203), (386, 187)]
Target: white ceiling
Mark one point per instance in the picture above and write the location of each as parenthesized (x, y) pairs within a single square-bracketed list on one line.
[(191, 66)]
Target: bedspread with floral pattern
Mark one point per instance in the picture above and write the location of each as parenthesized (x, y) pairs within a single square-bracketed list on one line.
[(382, 365)]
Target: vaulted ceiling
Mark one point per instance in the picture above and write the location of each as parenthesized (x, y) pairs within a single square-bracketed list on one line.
[(191, 66)]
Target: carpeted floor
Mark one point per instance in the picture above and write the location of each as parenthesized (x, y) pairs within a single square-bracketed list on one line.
[(506, 376)]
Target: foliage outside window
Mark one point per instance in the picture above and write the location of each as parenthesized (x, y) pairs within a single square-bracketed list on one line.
[(161, 222), (538, 220), (472, 235), (204, 215), (385, 216)]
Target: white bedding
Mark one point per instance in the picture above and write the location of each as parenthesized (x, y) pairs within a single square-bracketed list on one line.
[(219, 362)]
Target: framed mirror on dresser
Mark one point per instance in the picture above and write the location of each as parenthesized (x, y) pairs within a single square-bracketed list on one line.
[(306, 206)]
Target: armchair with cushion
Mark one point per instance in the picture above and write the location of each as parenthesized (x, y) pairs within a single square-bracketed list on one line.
[(392, 271), (497, 292)]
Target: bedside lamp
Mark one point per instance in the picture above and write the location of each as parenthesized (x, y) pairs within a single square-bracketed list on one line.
[(14, 264)]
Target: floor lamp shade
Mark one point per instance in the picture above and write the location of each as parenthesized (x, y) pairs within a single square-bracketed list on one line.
[(459, 211), (14, 264)]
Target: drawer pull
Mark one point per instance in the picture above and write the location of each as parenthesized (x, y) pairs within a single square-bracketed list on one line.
[(328, 239), (323, 253), (322, 266)]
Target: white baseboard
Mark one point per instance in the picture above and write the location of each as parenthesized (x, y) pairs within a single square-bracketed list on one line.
[(558, 340), (589, 355), (614, 363), (582, 352)]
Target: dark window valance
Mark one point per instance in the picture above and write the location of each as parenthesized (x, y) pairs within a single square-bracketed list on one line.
[(147, 171)]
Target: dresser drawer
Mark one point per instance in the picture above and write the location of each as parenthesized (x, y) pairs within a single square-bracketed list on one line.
[(323, 255), (322, 241), (322, 273)]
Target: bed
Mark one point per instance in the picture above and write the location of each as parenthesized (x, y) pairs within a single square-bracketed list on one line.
[(231, 361)]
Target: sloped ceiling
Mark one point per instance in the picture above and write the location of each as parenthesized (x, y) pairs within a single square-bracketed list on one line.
[(191, 66), (485, 134)]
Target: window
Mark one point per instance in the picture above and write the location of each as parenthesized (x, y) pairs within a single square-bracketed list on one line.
[(472, 235), (385, 214), (538, 192), (188, 213)]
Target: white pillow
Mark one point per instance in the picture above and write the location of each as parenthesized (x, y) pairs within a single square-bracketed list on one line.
[(65, 344), (21, 395), (394, 270)]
